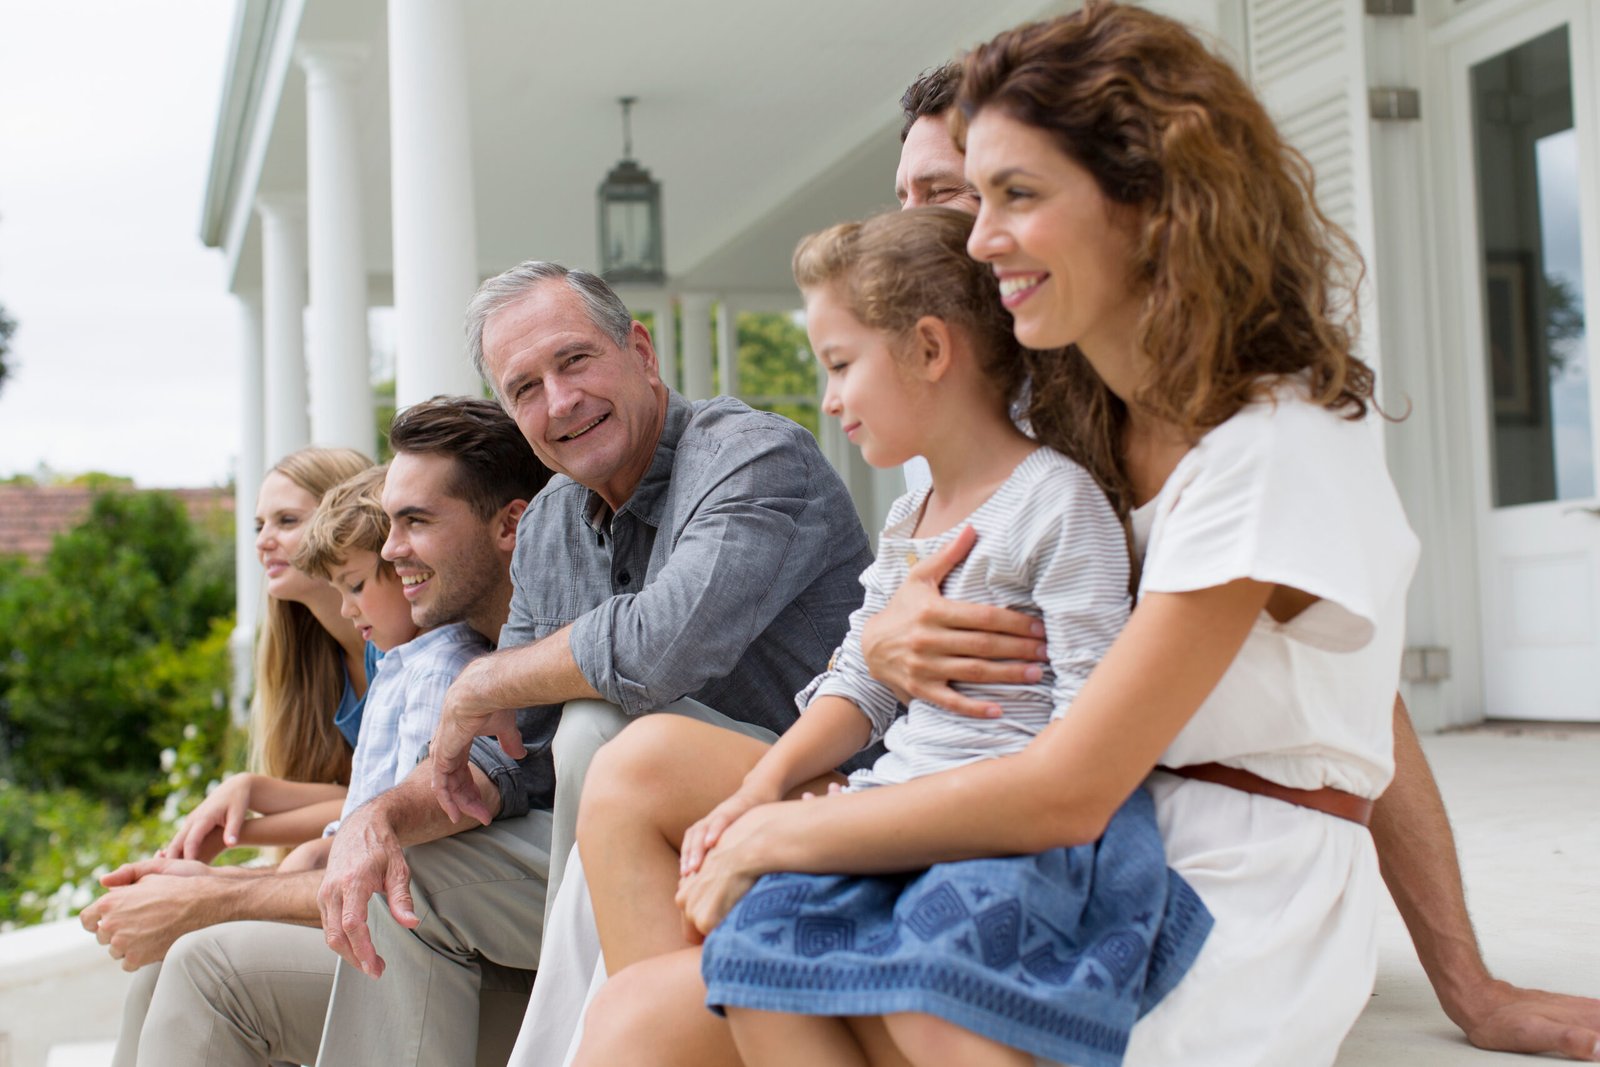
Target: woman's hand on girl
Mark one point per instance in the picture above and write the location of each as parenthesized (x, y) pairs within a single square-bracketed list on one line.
[(225, 810), (921, 642)]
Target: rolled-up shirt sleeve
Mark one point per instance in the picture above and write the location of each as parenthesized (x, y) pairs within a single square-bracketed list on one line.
[(757, 540), (847, 675)]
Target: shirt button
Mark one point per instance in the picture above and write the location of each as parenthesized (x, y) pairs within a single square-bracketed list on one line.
[(623, 578)]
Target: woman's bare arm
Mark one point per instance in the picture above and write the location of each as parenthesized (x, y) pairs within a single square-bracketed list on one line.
[(1061, 790)]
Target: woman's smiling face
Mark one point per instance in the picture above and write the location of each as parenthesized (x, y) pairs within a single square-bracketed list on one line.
[(282, 509), (1063, 252)]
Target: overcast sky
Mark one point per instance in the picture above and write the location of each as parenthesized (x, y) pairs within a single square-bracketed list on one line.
[(126, 357)]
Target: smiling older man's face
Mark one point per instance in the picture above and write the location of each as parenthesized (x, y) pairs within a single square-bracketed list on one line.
[(590, 408)]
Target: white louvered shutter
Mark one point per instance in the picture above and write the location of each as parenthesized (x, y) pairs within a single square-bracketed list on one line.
[(1307, 62)]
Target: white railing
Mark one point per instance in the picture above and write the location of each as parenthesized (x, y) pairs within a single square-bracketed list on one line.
[(58, 988)]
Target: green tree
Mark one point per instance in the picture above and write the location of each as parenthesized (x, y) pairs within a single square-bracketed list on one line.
[(86, 696), (776, 369), (8, 326)]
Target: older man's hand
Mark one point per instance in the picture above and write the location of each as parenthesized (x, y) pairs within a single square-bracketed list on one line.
[(151, 904), (366, 858), (468, 715)]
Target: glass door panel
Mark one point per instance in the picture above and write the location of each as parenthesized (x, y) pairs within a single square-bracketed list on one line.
[(1535, 346)]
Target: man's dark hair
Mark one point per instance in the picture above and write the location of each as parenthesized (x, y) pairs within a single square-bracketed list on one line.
[(933, 93), (494, 464)]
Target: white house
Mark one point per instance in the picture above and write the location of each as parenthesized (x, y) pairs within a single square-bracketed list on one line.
[(393, 152)]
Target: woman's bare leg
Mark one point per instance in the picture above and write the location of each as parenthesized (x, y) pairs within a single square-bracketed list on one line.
[(776, 1039), (780, 1039), (653, 1014), (929, 1041), (645, 789)]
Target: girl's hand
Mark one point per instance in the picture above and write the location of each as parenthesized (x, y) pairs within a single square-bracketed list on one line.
[(724, 876), (920, 642), (703, 836), (224, 809)]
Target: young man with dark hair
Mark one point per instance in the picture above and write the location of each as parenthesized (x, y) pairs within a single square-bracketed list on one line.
[(931, 170)]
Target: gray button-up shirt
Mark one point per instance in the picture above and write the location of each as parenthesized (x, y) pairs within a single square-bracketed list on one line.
[(728, 576)]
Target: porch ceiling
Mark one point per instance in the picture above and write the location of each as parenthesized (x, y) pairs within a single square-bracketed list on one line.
[(762, 120)]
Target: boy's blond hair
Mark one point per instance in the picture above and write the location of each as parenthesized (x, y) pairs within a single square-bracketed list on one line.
[(350, 518)]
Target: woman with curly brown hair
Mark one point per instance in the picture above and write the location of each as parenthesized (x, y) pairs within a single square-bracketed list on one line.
[(1157, 244)]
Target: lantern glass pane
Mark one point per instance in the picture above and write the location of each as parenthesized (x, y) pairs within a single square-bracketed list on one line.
[(628, 239)]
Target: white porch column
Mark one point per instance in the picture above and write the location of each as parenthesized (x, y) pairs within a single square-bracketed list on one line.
[(282, 390), (246, 481), (435, 238), (666, 339), (341, 389), (728, 346), (696, 345)]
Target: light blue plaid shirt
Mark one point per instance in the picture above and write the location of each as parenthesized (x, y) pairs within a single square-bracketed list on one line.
[(402, 709)]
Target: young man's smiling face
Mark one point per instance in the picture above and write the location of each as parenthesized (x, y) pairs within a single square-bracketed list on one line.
[(445, 554)]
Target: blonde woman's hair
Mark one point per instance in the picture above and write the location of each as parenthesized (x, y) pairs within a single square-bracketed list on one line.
[(300, 673), (349, 519)]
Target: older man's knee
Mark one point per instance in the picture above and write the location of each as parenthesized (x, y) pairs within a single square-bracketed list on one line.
[(586, 725)]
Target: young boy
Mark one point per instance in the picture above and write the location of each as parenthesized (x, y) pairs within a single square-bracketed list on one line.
[(342, 543)]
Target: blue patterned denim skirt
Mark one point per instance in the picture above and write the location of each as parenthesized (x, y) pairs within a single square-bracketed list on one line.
[(1056, 954)]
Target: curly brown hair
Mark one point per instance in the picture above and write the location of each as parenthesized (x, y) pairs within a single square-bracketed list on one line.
[(892, 269), (1248, 281)]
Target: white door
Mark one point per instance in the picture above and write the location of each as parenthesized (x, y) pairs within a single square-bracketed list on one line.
[(1523, 94)]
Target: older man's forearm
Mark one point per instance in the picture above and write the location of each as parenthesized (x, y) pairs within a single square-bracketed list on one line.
[(543, 672)]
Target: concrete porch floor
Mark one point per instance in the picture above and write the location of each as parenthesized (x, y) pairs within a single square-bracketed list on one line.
[(1525, 803)]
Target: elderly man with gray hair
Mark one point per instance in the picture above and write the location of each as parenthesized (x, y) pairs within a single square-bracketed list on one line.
[(687, 557)]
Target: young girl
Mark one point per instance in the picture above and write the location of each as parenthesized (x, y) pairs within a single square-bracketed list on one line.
[(920, 361), (1141, 211)]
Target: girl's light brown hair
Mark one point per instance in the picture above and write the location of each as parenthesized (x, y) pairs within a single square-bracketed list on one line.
[(895, 268), (300, 667), (1247, 279)]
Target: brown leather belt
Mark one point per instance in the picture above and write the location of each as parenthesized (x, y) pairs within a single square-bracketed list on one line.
[(1328, 800)]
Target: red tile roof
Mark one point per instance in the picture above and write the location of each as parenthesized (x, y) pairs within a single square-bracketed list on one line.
[(31, 516)]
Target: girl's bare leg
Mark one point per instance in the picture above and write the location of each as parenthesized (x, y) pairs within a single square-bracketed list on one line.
[(927, 1041), (644, 790), (653, 1014)]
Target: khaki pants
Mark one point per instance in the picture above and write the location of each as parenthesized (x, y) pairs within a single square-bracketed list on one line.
[(250, 993), (479, 897)]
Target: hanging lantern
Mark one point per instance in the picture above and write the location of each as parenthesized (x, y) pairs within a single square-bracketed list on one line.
[(630, 218)]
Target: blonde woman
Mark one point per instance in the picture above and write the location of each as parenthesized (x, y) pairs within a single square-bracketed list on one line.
[(311, 678)]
